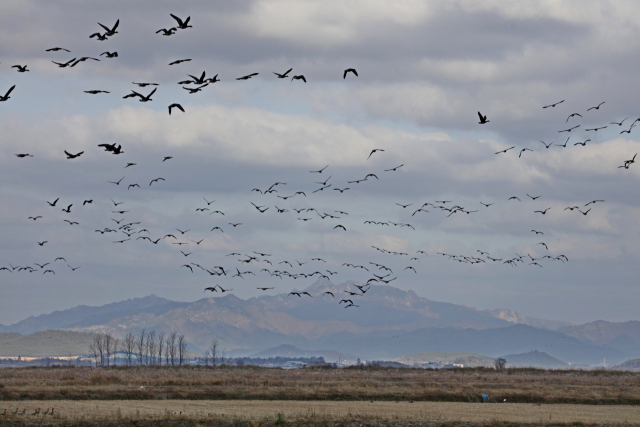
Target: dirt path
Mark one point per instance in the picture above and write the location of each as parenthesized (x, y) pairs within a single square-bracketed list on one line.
[(326, 410)]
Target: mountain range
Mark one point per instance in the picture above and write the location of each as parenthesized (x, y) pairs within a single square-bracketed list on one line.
[(388, 323)]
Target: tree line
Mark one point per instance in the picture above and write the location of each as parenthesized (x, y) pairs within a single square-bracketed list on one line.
[(140, 348)]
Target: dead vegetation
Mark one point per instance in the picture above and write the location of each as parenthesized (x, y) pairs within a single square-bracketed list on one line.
[(380, 384), (288, 413)]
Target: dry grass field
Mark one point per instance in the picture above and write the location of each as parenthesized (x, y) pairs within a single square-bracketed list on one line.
[(260, 412), (305, 411), (319, 384)]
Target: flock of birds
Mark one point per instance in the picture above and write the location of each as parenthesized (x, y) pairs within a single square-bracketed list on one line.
[(275, 199)]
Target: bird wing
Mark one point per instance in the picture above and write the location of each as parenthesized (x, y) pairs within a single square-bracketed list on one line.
[(105, 27), (177, 19), (9, 91), (480, 115)]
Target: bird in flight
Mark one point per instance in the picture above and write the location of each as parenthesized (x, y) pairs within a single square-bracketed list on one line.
[(628, 131), (21, 68), (179, 61), (542, 212), (582, 143), (619, 124), (553, 105), (144, 84), (34, 217), (572, 115), (483, 119), (373, 151), (300, 77), (145, 98), (534, 198), (537, 232), (570, 129), (178, 106), (319, 171), (166, 158), (100, 37), (247, 77), (116, 183), (68, 210), (6, 95), (505, 150), (155, 180), (110, 54), (349, 70), (110, 31), (283, 75), (169, 32), (523, 150), (183, 25), (546, 145), (56, 49), (84, 58), (72, 156), (394, 169), (54, 202), (596, 107), (64, 64), (95, 92), (596, 129)]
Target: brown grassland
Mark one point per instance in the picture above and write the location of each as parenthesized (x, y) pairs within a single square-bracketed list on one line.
[(598, 387), (261, 412)]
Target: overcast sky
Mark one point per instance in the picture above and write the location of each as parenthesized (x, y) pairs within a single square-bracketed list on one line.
[(424, 71)]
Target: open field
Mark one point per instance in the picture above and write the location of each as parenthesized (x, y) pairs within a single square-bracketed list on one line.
[(303, 411), (252, 383)]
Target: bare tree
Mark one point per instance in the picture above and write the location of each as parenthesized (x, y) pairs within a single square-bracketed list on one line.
[(140, 348), (213, 349), (116, 342), (151, 347), (97, 349), (161, 342), (129, 346), (206, 358), (182, 349), (171, 346), (109, 344), (500, 363)]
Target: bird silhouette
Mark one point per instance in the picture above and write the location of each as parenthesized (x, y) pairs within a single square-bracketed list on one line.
[(483, 119)]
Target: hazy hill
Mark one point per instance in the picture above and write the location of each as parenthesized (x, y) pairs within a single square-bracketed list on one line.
[(402, 309), (492, 342), (389, 323), (601, 332), (84, 316), (535, 358), (628, 365), (53, 343)]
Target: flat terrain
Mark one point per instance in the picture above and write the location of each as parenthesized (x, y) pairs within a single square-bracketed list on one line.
[(320, 384), (305, 411)]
